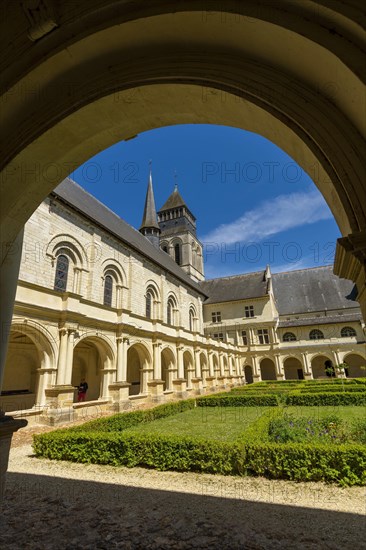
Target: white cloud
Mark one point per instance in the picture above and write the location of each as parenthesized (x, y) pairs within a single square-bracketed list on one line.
[(272, 217)]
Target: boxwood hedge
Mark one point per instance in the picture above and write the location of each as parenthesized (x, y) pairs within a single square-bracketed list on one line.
[(326, 399)]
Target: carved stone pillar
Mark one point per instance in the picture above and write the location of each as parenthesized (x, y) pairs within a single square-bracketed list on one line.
[(350, 263)]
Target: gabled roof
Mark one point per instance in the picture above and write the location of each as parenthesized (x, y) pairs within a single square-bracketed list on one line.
[(75, 196), (314, 289), (238, 287), (149, 218), (174, 201)]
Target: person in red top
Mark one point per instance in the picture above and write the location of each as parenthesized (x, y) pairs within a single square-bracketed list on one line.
[(82, 389)]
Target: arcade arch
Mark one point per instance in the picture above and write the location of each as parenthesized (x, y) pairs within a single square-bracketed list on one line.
[(166, 73), (293, 369), (138, 365), (354, 363), (268, 369)]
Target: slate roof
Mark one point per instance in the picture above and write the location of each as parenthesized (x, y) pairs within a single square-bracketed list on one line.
[(79, 199), (310, 290), (238, 287), (149, 219), (323, 320), (174, 201)]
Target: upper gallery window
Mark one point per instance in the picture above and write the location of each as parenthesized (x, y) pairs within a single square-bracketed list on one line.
[(216, 316), (316, 334), (62, 268), (263, 336), (249, 311), (108, 290)]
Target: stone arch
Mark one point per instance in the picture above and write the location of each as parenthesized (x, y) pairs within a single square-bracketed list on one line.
[(29, 367), (93, 359), (138, 362), (293, 368), (164, 74), (248, 373), (172, 309), (112, 268), (268, 369), (355, 362), (168, 367), (318, 365), (67, 245), (152, 289)]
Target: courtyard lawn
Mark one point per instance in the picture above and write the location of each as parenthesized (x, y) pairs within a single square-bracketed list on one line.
[(210, 423), (347, 414)]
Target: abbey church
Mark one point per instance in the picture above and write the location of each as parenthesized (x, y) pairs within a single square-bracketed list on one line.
[(131, 313)]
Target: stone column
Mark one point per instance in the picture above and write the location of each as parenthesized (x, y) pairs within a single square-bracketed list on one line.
[(10, 262), (210, 364), (308, 373), (180, 362), (221, 363), (8, 425), (337, 361), (157, 360), (350, 263), (197, 363), (62, 357), (121, 367), (256, 372), (280, 375), (69, 357)]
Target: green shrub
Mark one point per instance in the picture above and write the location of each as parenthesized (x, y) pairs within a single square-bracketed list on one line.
[(326, 399), (241, 400), (345, 464), (333, 389)]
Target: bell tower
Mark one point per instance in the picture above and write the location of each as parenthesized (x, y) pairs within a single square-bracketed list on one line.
[(178, 235)]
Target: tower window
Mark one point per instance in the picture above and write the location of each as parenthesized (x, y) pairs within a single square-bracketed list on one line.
[(177, 255), (62, 268), (244, 336), (108, 290)]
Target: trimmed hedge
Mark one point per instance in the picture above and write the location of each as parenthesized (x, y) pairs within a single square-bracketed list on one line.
[(241, 400), (326, 399), (336, 389), (345, 464)]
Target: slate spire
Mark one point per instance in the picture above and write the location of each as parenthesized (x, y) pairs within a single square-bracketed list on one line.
[(149, 226)]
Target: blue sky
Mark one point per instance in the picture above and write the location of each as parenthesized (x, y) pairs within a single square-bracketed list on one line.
[(254, 205)]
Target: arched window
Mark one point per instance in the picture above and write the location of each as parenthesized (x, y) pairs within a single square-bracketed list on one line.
[(108, 290), (348, 331), (289, 337), (170, 312), (62, 268), (149, 304), (192, 320), (177, 255), (316, 334)]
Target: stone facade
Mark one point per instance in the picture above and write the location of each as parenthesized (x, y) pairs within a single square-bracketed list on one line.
[(139, 328)]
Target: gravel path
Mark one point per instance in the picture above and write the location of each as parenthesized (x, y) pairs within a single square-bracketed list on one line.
[(53, 505)]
